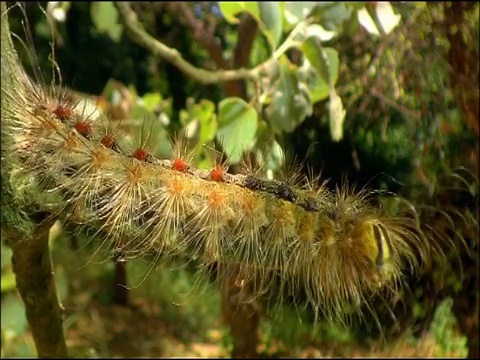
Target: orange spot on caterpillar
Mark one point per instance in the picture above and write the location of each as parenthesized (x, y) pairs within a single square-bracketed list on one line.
[(216, 199), (179, 165), (216, 174), (108, 141), (83, 128), (140, 154), (63, 113), (175, 187)]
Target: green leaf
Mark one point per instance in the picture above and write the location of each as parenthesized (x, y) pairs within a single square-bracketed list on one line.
[(378, 18), (315, 30), (317, 56), (271, 21), (290, 103), (296, 11), (337, 116), (238, 123), (318, 87), (331, 15), (230, 9), (105, 17), (386, 17)]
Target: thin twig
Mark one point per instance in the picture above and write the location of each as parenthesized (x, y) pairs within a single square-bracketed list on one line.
[(407, 112)]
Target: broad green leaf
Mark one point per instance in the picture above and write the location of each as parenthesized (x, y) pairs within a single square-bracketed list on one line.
[(378, 18), (337, 115), (105, 17), (290, 103), (315, 30), (296, 11), (319, 58), (317, 87), (238, 123), (333, 63), (271, 18), (367, 22), (230, 9), (387, 18), (331, 15)]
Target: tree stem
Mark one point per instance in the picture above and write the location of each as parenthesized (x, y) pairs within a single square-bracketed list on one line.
[(32, 265), (120, 290)]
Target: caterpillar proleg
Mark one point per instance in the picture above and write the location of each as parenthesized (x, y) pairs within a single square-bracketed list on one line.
[(335, 245)]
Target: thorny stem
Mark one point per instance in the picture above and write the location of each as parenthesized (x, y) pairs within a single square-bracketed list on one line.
[(31, 260)]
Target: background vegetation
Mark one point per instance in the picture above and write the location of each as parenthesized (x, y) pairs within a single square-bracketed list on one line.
[(388, 96)]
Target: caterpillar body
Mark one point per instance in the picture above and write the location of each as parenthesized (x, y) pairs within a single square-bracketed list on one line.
[(334, 245)]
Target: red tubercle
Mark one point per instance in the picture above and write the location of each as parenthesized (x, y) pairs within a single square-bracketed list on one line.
[(140, 154), (84, 128), (63, 113), (216, 174), (179, 165), (108, 141)]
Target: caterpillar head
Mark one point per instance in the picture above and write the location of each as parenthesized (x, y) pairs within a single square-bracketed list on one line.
[(360, 249)]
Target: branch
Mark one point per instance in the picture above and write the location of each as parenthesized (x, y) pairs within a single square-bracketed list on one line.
[(138, 34), (33, 270), (247, 30)]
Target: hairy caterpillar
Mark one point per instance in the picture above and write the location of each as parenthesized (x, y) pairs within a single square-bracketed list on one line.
[(335, 245)]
